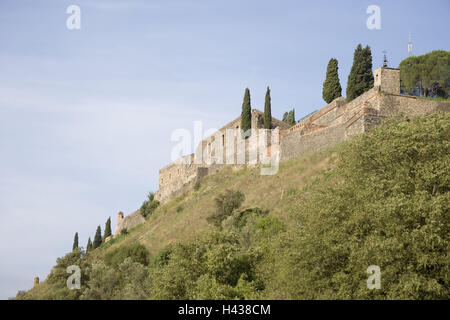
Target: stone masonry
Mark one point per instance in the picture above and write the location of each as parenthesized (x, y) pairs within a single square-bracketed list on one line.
[(322, 129)]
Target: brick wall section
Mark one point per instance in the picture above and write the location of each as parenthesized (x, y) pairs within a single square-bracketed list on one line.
[(396, 104)]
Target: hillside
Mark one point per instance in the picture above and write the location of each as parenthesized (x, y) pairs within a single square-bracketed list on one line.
[(309, 231)]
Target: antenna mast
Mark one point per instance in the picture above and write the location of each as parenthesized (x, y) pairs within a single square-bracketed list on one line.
[(410, 47)]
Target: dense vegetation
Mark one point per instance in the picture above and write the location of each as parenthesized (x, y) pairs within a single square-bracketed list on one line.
[(427, 75), (385, 203)]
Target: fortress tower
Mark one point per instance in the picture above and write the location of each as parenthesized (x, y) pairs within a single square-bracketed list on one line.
[(35, 281), (119, 217), (387, 80)]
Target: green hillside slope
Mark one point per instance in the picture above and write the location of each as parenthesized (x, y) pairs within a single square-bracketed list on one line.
[(308, 232)]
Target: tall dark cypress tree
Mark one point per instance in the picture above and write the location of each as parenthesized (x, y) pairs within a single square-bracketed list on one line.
[(246, 115), (267, 111), (89, 245), (360, 78), (354, 72), (107, 228), (75, 242), (331, 86), (97, 238), (292, 117), (368, 73)]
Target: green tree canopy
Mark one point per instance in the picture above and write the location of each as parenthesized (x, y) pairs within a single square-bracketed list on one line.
[(89, 245), (267, 111), (289, 117), (399, 221), (97, 238), (246, 115), (427, 75), (360, 78), (331, 86), (107, 228), (75, 241)]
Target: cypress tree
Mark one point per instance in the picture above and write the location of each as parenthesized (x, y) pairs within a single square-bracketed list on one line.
[(289, 117), (246, 115), (75, 242), (331, 86), (360, 78), (368, 73), (107, 228), (292, 117), (267, 111), (89, 245), (352, 77), (97, 238)]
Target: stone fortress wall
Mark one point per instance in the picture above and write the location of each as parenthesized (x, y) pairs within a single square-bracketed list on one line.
[(223, 147), (322, 129), (338, 120), (132, 220)]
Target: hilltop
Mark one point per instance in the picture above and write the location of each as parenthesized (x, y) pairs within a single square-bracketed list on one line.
[(310, 231)]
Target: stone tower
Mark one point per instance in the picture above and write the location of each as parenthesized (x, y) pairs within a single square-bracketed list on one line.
[(119, 223), (387, 80), (119, 217), (35, 281)]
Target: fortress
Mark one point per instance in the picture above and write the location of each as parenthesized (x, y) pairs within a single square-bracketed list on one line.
[(320, 130)]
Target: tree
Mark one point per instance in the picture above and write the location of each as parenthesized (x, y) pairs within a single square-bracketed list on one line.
[(107, 228), (149, 205), (246, 115), (267, 111), (331, 86), (427, 75), (292, 117), (360, 78), (75, 241), (226, 203), (289, 117), (97, 238), (89, 245)]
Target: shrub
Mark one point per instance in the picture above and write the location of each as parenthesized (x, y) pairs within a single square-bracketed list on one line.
[(136, 252), (149, 205), (213, 268), (162, 257), (225, 204)]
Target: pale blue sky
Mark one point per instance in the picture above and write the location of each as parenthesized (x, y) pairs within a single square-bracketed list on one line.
[(86, 115)]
